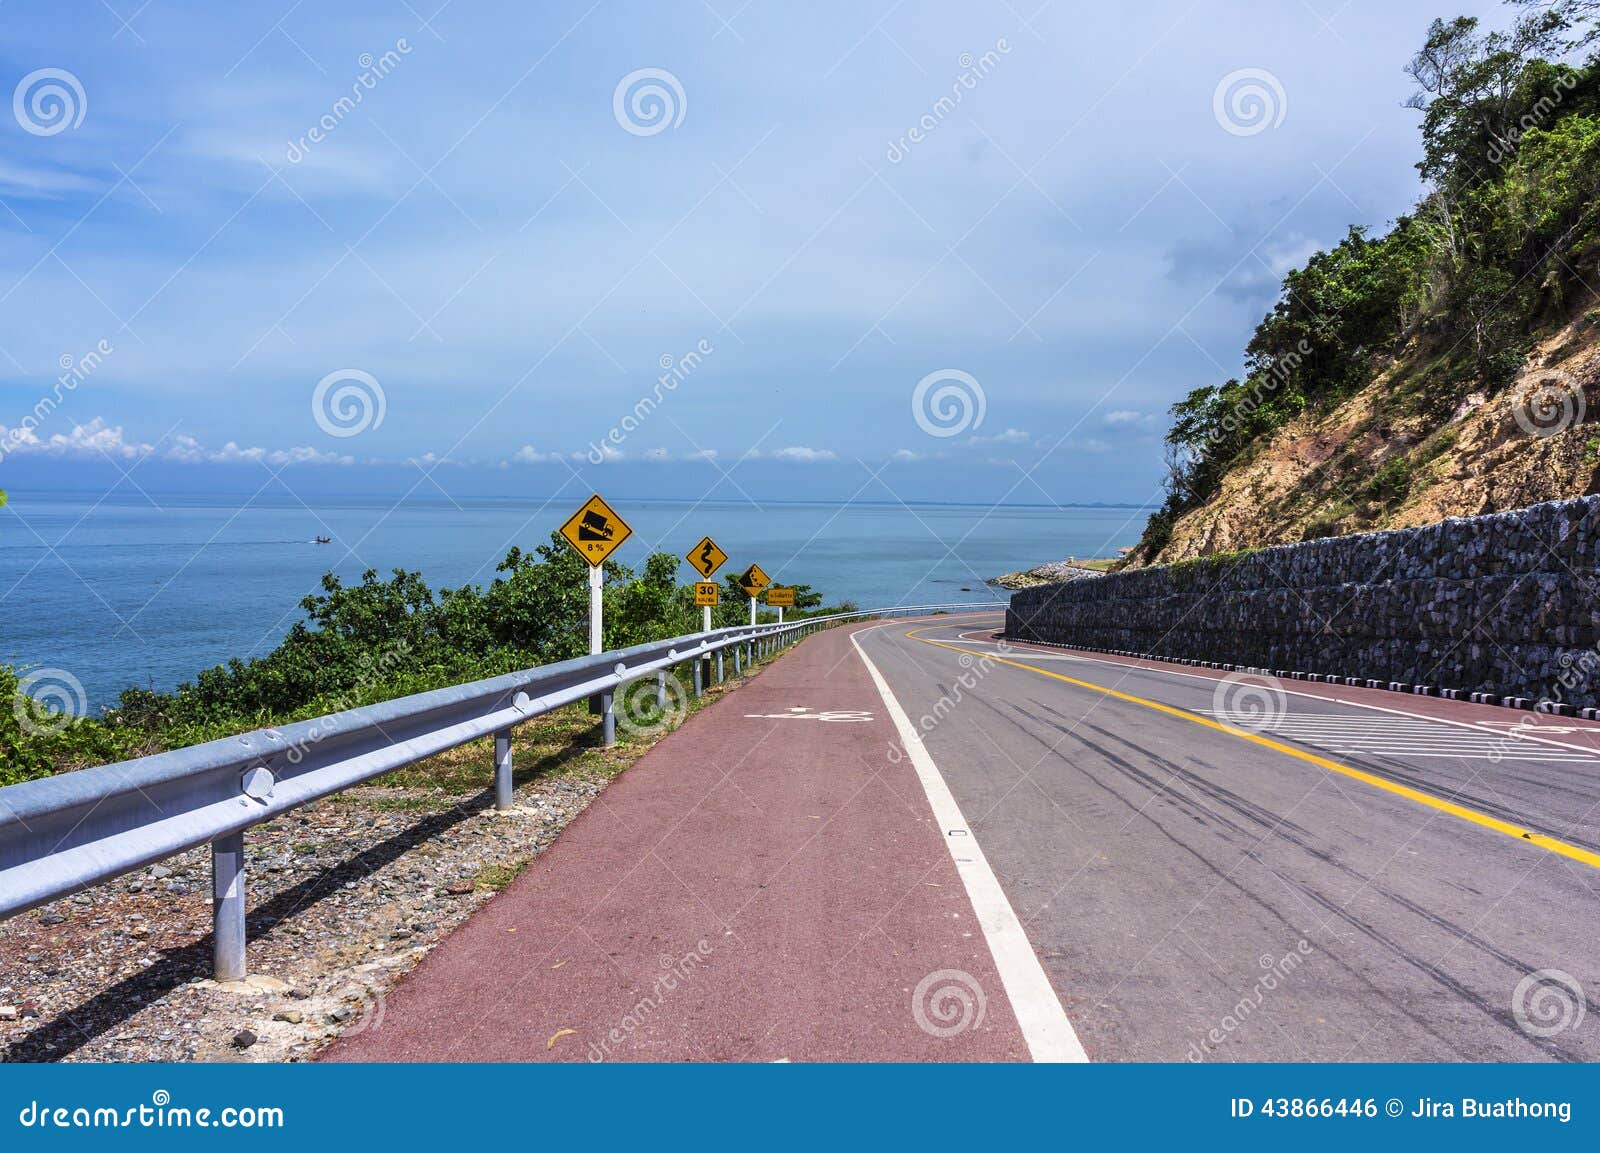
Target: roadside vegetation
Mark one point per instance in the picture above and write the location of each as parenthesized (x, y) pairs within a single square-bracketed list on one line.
[(1497, 254), (373, 641)]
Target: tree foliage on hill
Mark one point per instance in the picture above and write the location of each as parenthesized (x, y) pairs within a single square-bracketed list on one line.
[(1494, 254)]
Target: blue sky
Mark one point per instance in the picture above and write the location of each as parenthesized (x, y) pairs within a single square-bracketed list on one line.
[(497, 250)]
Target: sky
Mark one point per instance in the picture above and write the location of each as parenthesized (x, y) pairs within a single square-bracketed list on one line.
[(871, 250)]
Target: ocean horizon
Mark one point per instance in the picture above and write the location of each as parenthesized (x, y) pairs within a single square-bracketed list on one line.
[(147, 589)]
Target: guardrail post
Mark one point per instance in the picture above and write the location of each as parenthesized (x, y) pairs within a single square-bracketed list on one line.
[(502, 770), (738, 655), (608, 719), (661, 689), (698, 664), (227, 907), (719, 666)]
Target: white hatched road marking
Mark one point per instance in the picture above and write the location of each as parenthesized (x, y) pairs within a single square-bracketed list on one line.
[(1408, 738)]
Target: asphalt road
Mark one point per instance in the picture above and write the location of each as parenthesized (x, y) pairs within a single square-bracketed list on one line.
[(1240, 870)]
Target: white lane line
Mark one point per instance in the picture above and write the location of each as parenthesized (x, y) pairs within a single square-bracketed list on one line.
[(1045, 1028)]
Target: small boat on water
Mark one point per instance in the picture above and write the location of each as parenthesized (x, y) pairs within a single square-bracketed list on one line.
[(324, 540)]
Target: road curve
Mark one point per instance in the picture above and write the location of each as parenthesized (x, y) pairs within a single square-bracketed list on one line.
[(1224, 868)]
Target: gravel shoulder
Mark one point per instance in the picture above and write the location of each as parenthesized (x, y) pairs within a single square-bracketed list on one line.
[(345, 896)]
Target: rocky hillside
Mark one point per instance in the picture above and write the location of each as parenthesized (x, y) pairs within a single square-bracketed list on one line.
[(1383, 459), (1450, 366)]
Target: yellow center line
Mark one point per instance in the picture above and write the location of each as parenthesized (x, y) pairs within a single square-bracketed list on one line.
[(1527, 836)]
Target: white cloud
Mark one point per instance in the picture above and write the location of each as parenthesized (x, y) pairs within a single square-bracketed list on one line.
[(97, 439), (92, 439), (1009, 436), (804, 455), (905, 455), (527, 454), (1125, 416)]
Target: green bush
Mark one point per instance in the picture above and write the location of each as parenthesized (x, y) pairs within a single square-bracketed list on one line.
[(373, 641)]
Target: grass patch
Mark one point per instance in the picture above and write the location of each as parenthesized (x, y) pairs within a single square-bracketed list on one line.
[(497, 877), (563, 743)]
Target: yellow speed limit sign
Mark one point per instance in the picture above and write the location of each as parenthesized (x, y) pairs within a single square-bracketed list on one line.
[(780, 597), (705, 593)]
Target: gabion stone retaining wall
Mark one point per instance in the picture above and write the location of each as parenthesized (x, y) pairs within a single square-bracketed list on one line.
[(1503, 604)]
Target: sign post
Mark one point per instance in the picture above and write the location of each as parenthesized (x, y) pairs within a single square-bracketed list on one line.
[(594, 532), (780, 599), (706, 558)]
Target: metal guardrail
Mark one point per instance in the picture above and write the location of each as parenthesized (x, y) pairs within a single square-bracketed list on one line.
[(65, 833)]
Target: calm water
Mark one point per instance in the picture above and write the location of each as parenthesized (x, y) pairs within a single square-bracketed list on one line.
[(126, 593)]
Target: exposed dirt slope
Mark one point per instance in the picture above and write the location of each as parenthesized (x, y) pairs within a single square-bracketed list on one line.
[(1393, 455)]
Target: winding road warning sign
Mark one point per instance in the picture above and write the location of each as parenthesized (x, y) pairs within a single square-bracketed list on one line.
[(706, 557)]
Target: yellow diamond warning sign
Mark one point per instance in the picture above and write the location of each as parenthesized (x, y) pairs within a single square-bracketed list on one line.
[(753, 580), (780, 597), (596, 530), (705, 593), (706, 557)]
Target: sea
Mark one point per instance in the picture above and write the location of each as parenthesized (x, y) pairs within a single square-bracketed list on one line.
[(147, 589)]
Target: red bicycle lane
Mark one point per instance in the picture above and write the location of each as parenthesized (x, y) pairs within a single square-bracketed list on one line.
[(767, 883)]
